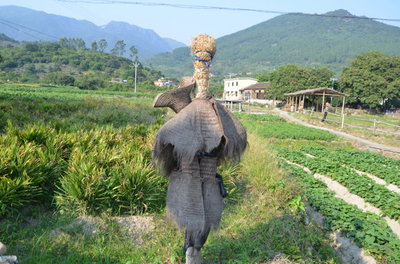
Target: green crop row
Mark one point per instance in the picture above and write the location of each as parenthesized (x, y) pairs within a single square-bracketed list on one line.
[(285, 130), (370, 191), (259, 117), (63, 93), (367, 230), (378, 165)]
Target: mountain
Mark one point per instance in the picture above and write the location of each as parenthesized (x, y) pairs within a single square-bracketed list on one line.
[(24, 24), (173, 44), (312, 41)]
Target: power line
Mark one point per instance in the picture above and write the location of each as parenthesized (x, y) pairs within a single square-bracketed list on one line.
[(15, 27), (19, 30), (186, 6)]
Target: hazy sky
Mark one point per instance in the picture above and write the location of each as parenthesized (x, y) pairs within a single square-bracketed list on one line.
[(183, 24)]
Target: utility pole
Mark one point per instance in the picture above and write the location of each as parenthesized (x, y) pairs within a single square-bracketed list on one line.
[(136, 65)]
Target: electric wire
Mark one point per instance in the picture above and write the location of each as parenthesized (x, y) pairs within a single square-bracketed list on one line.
[(19, 30), (186, 6), (23, 29)]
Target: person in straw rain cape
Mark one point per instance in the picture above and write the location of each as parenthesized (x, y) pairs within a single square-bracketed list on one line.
[(189, 147)]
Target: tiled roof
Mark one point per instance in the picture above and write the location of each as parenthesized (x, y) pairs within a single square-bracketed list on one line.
[(257, 86)]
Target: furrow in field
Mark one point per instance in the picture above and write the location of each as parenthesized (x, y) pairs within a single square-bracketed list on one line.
[(343, 193)]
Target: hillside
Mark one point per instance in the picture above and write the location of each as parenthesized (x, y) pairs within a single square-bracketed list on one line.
[(293, 38), (19, 21), (50, 62)]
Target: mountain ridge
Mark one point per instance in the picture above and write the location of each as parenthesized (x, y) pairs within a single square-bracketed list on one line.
[(50, 27), (307, 40)]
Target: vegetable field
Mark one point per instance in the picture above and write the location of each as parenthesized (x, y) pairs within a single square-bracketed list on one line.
[(302, 157)]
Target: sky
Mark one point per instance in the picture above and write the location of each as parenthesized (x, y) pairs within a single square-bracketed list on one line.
[(183, 24)]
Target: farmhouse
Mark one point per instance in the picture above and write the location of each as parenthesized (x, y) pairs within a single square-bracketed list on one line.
[(255, 91), (233, 86)]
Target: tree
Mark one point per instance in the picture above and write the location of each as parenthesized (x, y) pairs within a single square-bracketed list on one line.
[(133, 52), (102, 45), (72, 43), (94, 46), (79, 43), (263, 78), (119, 48), (371, 80), (292, 78)]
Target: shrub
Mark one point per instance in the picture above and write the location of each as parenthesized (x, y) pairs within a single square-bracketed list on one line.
[(89, 83)]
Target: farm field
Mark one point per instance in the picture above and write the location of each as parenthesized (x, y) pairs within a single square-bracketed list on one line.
[(74, 167), (343, 165)]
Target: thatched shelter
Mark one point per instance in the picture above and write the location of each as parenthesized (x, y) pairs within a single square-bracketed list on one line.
[(296, 99)]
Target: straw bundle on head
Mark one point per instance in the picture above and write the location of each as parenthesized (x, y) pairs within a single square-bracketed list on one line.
[(203, 48)]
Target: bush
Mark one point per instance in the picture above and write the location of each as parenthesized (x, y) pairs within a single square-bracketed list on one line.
[(89, 83), (60, 78)]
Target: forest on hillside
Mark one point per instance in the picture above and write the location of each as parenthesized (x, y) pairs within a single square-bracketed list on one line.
[(69, 62)]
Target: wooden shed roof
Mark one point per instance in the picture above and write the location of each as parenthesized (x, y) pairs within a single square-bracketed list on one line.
[(317, 92)]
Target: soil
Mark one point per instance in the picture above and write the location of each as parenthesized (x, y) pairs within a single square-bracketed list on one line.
[(345, 248)]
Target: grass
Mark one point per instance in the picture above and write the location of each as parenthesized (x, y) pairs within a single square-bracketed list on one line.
[(270, 126), (63, 93), (376, 136), (75, 115)]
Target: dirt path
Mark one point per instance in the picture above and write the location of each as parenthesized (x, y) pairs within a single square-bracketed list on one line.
[(370, 144)]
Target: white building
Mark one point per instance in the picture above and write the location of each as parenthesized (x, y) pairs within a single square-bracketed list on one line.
[(232, 87), (164, 82)]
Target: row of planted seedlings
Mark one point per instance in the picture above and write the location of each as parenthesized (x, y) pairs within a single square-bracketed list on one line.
[(361, 185), (380, 166), (83, 172), (367, 230)]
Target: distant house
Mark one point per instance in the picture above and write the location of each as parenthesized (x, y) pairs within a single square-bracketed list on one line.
[(164, 82), (255, 91), (118, 80), (233, 86)]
